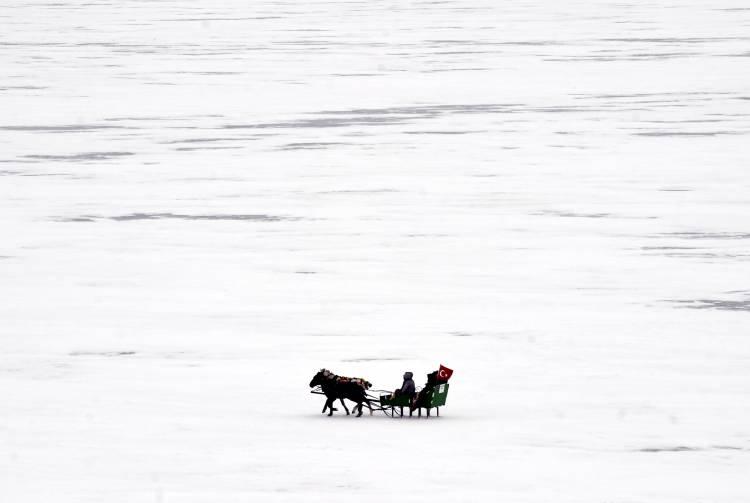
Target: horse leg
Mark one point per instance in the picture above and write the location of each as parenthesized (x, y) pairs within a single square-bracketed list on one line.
[(329, 404), (342, 403)]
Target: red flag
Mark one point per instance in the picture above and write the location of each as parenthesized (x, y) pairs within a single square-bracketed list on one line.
[(444, 374)]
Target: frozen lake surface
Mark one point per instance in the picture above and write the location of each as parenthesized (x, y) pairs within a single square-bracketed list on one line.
[(202, 203)]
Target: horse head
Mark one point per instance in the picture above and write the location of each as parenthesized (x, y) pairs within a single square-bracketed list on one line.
[(321, 377)]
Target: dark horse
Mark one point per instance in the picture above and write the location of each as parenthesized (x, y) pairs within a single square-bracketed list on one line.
[(337, 388)]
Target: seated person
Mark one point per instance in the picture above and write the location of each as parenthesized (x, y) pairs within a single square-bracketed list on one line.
[(407, 388), (425, 394)]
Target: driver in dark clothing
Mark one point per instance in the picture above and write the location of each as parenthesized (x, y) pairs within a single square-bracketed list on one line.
[(407, 388)]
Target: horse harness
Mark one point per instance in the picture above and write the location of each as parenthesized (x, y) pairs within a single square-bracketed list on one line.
[(363, 383)]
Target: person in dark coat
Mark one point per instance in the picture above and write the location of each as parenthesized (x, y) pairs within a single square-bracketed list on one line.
[(407, 388), (425, 394)]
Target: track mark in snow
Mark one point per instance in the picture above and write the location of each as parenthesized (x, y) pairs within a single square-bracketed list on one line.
[(22, 88), (102, 353), (210, 140), (321, 123), (444, 132), (708, 235), (310, 145), (71, 128), (426, 111), (679, 448), (683, 448), (51, 174), (156, 216), (86, 156), (708, 255), (722, 305), (178, 216), (571, 214), (685, 133), (653, 248), (674, 40), (191, 149), (380, 116)]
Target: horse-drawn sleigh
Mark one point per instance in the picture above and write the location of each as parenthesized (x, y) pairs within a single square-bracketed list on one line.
[(433, 399), (334, 387)]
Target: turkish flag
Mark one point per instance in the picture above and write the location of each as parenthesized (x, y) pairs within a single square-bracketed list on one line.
[(444, 374)]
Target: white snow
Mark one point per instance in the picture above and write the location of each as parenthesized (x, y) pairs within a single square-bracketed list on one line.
[(203, 203)]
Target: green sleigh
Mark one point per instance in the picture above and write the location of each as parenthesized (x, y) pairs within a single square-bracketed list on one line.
[(434, 399)]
